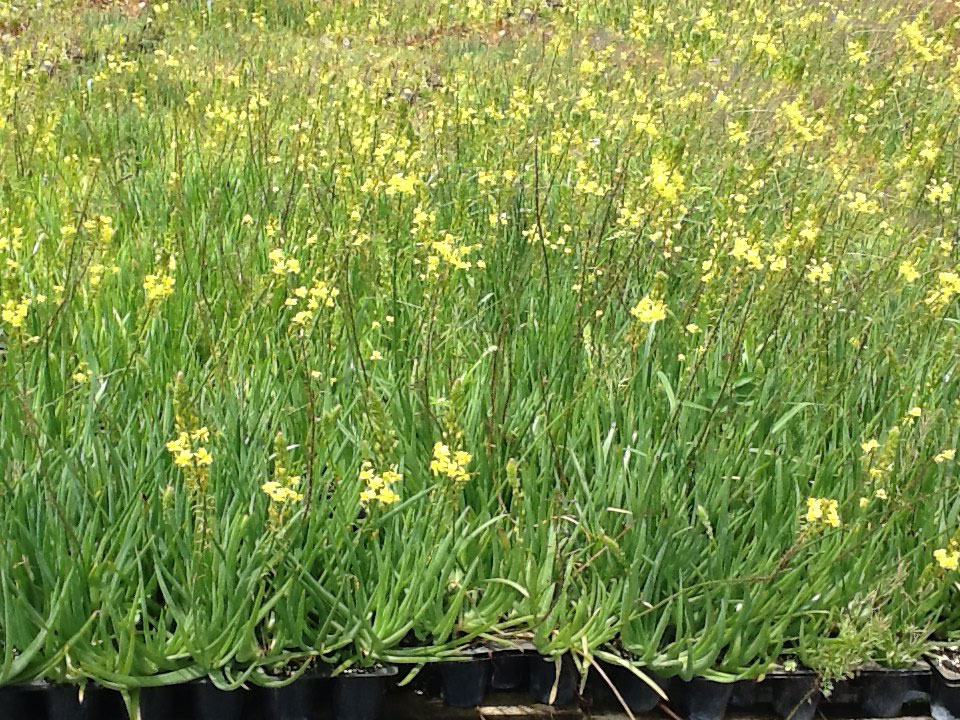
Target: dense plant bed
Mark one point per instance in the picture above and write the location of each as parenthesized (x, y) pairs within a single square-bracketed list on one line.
[(353, 334)]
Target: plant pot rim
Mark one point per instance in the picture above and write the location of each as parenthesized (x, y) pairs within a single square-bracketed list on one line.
[(41, 684), (935, 661), (491, 649), (364, 672), (917, 669)]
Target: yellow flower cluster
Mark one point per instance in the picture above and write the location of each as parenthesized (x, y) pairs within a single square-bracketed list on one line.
[(925, 49), (451, 464), (666, 181), (283, 493), (82, 373), (939, 191), (158, 286), (447, 250), (283, 265), (402, 184), (649, 310), (907, 271), (948, 286), (378, 485), (945, 455), (14, 312), (284, 489), (187, 451), (819, 273), (949, 557), (807, 130), (823, 510), (763, 44), (320, 294)]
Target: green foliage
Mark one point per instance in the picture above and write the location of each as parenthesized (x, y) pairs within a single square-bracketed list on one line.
[(354, 332)]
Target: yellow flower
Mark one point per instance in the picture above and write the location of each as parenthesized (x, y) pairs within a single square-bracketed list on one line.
[(945, 455), (272, 488), (183, 458), (303, 317), (763, 43), (453, 466), (158, 287), (869, 446), (378, 485), (666, 181), (947, 559), (202, 457), (819, 274), (914, 412), (831, 513), (823, 509), (881, 494), (391, 476), (402, 184), (643, 122), (291, 495), (280, 494), (649, 310), (15, 313), (908, 272), (181, 443), (387, 496)]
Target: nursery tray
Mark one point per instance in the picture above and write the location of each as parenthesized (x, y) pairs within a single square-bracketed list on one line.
[(352, 695), (466, 676), (872, 692), (482, 676)]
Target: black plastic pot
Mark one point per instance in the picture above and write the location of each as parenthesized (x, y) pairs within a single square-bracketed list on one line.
[(795, 697), (701, 699), (212, 703), (359, 695), (63, 703), (944, 692), (17, 703), (551, 684), (636, 693), (750, 694), (844, 694), (100, 702), (882, 693), (161, 703), (463, 684), (509, 671), (296, 701)]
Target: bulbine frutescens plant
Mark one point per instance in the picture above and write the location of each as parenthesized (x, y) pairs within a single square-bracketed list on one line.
[(334, 335)]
